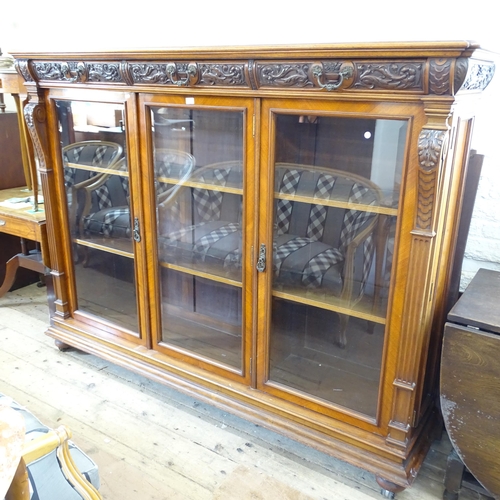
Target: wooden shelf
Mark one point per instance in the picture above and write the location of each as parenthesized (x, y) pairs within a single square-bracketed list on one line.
[(363, 309), (101, 170), (338, 204), (201, 185), (202, 272), (121, 247)]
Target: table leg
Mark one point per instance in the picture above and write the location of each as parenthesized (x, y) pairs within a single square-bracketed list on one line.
[(453, 478), (31, 262)]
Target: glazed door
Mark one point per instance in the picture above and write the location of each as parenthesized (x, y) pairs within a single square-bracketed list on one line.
[(96, 163), (201, 155), (332, 181)]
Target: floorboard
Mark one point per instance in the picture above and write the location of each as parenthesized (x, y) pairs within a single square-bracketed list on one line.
[(153, 443)]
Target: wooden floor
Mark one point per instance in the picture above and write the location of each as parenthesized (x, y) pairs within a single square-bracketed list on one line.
[(152, 443)]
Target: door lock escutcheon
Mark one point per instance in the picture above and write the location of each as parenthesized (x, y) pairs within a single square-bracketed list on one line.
[(261, 261), (137, 230)]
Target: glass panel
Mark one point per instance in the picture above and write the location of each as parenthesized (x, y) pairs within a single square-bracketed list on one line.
[(337, 184), (98, 196), (198, 158)]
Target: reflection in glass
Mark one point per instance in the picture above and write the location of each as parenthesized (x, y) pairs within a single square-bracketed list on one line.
[(198, 161), (336, 194), (97, 185)]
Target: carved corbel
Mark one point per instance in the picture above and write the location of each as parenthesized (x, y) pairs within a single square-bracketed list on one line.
[(35, 116), (432, 146)]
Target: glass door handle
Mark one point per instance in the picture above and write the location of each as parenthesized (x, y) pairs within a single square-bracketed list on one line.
[(261, 261)]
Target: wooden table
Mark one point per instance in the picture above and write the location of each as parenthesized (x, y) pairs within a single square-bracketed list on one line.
[(24, 222), (470, 383)]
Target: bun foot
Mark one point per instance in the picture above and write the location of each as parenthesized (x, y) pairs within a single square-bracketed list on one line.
[(389, 489), (61, 345)]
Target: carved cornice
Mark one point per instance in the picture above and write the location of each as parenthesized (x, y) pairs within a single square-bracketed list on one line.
[(223, 75), (432, 76), (461, 68), (324, 75), (22, 67), (72, 72), (479, 75), (104, 72), (149, 73), (283, 74), (431, 147), (390, 75), (78, 72), (178, 74), (440, 76)]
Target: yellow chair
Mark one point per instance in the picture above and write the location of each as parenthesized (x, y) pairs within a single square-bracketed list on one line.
[(39, 448)]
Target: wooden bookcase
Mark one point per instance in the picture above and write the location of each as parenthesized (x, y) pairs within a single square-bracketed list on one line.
[(268, 228)]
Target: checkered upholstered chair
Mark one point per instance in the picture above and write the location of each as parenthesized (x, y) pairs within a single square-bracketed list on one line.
[(99, 154), (322, 243), (103, 200), (104, 204), (204, 225)]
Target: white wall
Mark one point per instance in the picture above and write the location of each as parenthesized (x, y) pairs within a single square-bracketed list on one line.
[(107, 24)]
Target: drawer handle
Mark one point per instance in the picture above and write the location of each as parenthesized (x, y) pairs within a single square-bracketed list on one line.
[(3, 222), (191, 72), (345, 72)]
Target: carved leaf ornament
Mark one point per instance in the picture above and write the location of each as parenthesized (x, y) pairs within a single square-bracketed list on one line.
[(431, 146)]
